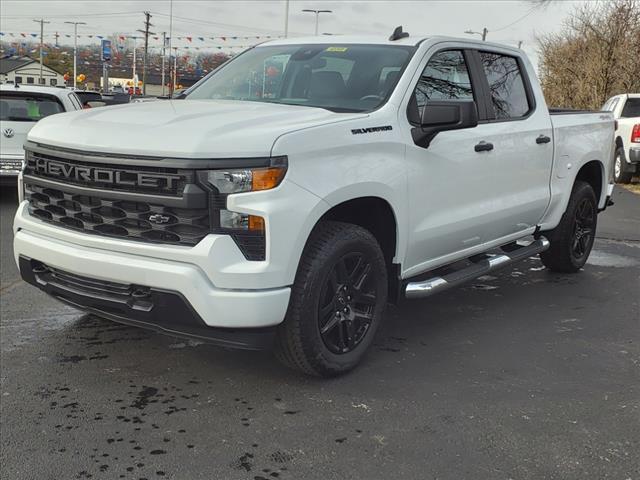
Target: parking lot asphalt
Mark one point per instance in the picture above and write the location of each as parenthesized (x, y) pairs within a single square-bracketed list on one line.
[(521, 375)]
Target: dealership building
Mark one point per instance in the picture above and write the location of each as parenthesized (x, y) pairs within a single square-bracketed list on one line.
[(27, 70)]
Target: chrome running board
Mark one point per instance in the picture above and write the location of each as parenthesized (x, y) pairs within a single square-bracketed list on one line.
[(478, 265)]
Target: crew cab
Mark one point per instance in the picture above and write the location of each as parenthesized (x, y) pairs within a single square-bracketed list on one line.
[(21, 106), (626, 110), (305, 184)]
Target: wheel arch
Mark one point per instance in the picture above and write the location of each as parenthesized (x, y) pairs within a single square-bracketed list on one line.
[(377, 215), (593, 172)]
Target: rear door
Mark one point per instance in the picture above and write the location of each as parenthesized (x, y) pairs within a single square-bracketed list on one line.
[(521, 134)]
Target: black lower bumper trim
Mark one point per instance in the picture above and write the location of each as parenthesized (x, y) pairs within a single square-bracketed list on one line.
[(161, 310)]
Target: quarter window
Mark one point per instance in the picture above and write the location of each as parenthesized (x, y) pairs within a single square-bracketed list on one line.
[(29, 79), (445, 77), (506, 85)]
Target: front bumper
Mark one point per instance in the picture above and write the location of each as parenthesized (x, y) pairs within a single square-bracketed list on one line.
[(164, 311), (215, 306)]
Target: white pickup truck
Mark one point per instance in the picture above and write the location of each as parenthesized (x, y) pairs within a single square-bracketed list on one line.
[(304, 185), (626, 111)]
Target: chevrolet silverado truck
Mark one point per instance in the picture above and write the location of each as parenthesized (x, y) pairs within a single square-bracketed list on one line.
[(304, 185), (626, 110)]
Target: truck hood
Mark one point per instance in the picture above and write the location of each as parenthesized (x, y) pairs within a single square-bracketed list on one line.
[(181, 128)]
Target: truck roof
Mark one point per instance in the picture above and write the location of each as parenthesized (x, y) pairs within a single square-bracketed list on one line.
[(411, 40)]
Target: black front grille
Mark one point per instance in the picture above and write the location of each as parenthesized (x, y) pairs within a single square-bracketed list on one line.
[(134, 220)]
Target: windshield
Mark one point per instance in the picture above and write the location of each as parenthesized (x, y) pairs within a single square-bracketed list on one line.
[(27, 108), (631, 108), (341, 78)]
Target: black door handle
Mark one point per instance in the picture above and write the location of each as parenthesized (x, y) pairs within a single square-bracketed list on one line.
[(484, 147), (542, 139)]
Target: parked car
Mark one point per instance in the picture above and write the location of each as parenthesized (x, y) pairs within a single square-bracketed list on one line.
[(89, 98), (626, 110), (285, 210), (21, 106)]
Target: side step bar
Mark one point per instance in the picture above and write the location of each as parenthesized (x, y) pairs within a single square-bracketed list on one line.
[(480, 265)]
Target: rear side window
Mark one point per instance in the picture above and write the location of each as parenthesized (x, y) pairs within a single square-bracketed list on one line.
[(631, 108), (506, 85), (28, 108), (445, 77)]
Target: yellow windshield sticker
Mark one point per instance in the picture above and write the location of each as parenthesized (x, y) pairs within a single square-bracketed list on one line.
[(337, 49)]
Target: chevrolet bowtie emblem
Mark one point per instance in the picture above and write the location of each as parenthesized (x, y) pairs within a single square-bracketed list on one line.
[(160, 219)]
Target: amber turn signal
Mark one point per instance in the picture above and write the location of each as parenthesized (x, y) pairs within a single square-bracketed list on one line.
[(267, 178)]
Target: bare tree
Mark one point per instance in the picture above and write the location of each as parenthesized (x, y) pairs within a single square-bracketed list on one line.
[(595, 57)]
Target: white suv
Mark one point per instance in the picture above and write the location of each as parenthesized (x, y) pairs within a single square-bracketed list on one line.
[(21, 106)]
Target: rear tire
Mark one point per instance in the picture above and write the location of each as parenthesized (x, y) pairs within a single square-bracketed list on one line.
[(337, 301), (572, 240), (619, 173)]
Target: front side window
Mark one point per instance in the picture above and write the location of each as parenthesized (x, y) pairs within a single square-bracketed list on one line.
[(18, 79), (341, 78), (445, 77), (631, 108), (506, 85), (17, 107)]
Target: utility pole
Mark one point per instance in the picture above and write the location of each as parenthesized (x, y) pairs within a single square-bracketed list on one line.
[(75, 51), (146, 48), (317, 12), (164, 54), (41, 22), (175, 70), (170, 41)]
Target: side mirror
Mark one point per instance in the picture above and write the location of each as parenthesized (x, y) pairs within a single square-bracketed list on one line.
[(442, 115)]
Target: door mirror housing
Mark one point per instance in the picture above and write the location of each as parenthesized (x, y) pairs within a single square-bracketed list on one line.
[(442, 115)]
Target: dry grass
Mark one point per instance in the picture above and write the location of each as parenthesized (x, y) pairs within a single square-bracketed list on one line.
[(634, 186)]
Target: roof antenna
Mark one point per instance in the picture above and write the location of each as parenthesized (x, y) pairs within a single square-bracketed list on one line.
[(398, 34)]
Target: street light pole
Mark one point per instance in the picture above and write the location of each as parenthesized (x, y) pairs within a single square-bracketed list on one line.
[(75, 50), (317, 12), (483, 34), (286, 19)]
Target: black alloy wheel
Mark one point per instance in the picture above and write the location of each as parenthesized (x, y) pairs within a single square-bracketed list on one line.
[(347, 301), (583, 230)]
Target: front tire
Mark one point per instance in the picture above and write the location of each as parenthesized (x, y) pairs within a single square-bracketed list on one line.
[(572, 240), (620, 175), (337, 301)]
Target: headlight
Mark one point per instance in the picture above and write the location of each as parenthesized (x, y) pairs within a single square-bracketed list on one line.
[(248, 179)]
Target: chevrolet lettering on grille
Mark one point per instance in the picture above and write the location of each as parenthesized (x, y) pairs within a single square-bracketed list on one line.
[(81, 173)]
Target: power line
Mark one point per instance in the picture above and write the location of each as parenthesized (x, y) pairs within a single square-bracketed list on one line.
[(114, 14), (197, 21), (529, 12)]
